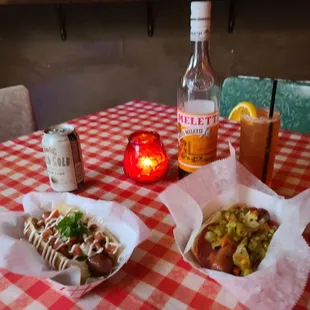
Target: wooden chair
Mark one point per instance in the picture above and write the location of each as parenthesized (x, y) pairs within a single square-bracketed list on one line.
[(16, 114), (292, 99)]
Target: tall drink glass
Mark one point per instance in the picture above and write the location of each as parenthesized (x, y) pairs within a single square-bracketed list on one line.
[(253, 142)]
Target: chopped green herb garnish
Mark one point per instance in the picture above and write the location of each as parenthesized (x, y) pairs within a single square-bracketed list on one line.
[(71, 225)]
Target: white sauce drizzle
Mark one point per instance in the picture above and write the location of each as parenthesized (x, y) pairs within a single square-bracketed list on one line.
[(91, 248), (44, 250), (48, 254), (89, 237), (99, 251), (31, 235), (51, 223), (63, 263), (88, 249), (68, 211), (63, 242), (74, 246), (26, 228), (57, 240), (51, 215), (106, 242), (85, 248), (37, 241), (51, 256), (60, 246), (54, 259), (46, 246), (101, 222), (59, 219)]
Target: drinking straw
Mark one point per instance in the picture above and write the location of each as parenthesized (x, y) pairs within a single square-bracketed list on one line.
[(270, 129)]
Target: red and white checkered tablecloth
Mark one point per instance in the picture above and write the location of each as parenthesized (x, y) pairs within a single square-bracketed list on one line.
[(155, 277)]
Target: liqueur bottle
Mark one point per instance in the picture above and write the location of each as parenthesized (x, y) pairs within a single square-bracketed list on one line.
[(198, 98)]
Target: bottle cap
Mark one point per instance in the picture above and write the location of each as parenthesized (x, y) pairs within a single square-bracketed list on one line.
[(200, 20), (200, 10)]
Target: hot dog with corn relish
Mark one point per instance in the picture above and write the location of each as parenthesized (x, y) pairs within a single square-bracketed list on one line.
[(234, 240), (68, 237)]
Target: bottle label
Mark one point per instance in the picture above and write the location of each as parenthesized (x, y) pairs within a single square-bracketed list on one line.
[(201, 34), (197, 139), (201, 25)]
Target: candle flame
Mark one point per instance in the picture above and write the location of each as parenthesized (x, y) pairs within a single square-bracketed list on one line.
[(147, 165), (147, 162)]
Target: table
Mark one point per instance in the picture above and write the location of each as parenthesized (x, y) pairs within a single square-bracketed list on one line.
[(155, 276)]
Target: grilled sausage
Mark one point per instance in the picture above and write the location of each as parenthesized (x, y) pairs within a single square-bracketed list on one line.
[(223, 260), (204, 249), (263, 213), (100, 264)]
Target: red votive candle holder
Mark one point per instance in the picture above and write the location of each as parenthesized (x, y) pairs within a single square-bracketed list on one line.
[(145, 158)]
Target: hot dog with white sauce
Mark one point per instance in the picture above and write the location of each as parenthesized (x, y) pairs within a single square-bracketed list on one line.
[(68, 237)]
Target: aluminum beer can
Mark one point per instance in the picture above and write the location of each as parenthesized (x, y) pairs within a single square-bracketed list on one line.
[(63, 157)]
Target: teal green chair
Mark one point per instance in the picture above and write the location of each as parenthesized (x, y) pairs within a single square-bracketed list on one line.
[(292, 99)]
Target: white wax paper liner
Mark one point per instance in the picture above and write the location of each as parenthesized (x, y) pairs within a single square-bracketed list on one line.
[(281, 277), (18, 256)]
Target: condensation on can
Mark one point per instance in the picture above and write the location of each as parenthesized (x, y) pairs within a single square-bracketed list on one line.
[(63, 157)]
